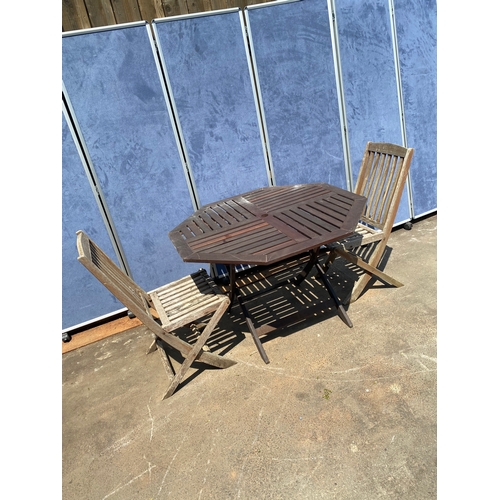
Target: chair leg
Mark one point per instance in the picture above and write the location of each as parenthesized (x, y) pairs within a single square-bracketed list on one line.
[(358, 287), (358, 261), (329, 260), (169, 369), (197, 328), (195, 351), (184, 348), (369, 268), (153, 345)]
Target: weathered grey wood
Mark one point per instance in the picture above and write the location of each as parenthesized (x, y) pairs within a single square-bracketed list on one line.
[(197, 347), (176, 304), (382, 177), (354, 259), (169, 369)]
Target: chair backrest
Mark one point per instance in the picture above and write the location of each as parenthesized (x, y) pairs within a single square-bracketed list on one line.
[(129, 293), (381, 179)]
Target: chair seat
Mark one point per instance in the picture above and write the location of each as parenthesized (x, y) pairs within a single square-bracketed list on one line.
[(184, 301)]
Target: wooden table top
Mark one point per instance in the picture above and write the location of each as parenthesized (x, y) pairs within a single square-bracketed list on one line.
[(268, 224)]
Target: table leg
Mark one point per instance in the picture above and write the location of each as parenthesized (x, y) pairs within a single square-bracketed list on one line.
[(232, 294), (342, 312), (232, 286), (254, 333), (297, 280), (307, 268)]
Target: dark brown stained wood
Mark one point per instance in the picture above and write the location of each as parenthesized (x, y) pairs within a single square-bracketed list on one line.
[(100, 12), (217, 237), (288, 195), (303, 215), (280, 223), (219, 217), (268, 224), (336, 209)]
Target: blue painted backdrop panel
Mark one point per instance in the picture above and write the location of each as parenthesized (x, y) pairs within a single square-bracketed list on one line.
[(208, 71), (369, 80), (416, 29), (293, 52), (113, 83), (83, 297)]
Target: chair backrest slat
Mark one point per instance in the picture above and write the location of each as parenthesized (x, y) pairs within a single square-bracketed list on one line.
[(386, 189), (379, 183), (129, 293), (381, 179)]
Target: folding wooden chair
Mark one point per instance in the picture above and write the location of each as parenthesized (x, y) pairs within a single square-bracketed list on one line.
[(175, 305), (381, 179)]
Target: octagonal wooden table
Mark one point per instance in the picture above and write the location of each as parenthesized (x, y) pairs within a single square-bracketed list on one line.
[(269, 225)]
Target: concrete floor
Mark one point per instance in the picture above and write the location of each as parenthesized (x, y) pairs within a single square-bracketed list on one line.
[(338, 413)]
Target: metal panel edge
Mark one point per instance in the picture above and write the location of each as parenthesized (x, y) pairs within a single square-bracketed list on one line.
[(196, 14), (93, 321), (69, 121), (103, 28), (425, 214), (257, 83), (259, 105), (399, 85), (340, 94), (94, 183), (174, 116), (269, 4), (172, 111)]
